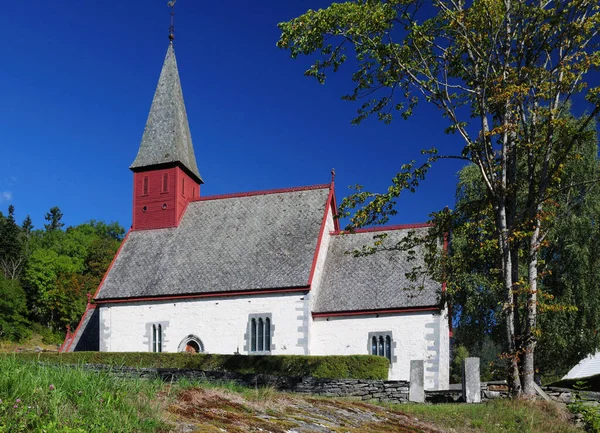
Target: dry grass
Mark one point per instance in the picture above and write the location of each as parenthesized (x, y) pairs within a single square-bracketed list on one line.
[(34, 342), (199, 409)]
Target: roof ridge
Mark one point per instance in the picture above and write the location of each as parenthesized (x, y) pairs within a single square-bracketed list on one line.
[(382, 229), (262, 192)]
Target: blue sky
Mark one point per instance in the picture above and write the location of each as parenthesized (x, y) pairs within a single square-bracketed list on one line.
[(77, 82)]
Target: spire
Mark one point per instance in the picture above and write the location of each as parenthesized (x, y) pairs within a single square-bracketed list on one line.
[(167, 137)]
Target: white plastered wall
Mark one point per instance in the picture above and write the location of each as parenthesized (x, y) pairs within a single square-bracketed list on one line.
[(221, 323), (422, 335), (317, 276)]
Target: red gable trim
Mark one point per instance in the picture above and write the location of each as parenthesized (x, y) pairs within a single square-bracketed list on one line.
[(328, 205), (372, 312), (263, 192), (204, 295), (383, 229), (91, 306), (336, 221)]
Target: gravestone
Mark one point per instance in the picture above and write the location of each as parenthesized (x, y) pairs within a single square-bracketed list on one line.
[(416, 390), (471, 382)]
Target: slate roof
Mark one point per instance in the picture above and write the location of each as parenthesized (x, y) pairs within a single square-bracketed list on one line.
[(224, 244), (167, 137), (377, 281)]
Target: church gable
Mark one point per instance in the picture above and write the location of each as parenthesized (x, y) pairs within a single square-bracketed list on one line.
[(224, 244)]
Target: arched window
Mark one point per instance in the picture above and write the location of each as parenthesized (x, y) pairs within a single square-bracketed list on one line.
[(267, 334), (191, 344), (253, 335), (145, 186), (381, 344), (157, 337), (154, 338), (388, 347), (261, 334)]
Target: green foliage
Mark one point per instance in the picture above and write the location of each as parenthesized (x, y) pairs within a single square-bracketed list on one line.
[(56, 268), (53, 217), (459, 355), (14, 325), (590, 413), (500, 74), (55, 399), (334, 367), (64, 266), (569, 303)]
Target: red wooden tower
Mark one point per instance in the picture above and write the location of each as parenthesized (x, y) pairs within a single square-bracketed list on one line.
[(165, 173)]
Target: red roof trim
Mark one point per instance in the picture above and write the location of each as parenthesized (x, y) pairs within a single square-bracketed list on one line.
[(263, 192), (92, 306), (336, 221), (203, 295), (383, 228), (372, 312), (321, 233)]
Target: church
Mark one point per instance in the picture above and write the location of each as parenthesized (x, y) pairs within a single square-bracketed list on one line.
[(264, 272)]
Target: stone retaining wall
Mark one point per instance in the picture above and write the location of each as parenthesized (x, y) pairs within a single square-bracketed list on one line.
[(393, 391)]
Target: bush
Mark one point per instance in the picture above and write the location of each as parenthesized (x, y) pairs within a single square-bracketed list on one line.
[(48, 335), (331, 367)]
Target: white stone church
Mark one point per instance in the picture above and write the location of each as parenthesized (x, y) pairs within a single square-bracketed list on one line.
[(263, 272)]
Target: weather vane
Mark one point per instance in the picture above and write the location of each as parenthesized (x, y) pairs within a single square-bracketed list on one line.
[(171, 4)]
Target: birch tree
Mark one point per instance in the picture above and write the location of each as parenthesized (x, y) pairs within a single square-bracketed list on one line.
[(502, 74)]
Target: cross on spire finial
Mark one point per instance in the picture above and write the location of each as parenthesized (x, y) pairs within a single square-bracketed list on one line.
[(171, 4)]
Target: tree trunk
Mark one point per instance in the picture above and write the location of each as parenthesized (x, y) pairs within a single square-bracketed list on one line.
[(509, 307), (531, 322)]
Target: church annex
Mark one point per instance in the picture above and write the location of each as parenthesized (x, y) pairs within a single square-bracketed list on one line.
[(262, 272)]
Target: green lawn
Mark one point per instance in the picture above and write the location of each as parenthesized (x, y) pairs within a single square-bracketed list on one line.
[(499, 416)]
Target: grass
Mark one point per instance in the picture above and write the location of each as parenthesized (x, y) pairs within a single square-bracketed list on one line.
[(49, 399), (42, 398), (497, 416), (35, 341)]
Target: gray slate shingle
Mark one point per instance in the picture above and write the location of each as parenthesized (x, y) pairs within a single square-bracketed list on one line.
[(377, 281), (227, 244), (167, 137)]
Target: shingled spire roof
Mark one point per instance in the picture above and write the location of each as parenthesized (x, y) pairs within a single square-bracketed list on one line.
[(167, 137)]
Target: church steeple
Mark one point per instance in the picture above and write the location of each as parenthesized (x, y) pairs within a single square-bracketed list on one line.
[(166, 175), (167, 138)]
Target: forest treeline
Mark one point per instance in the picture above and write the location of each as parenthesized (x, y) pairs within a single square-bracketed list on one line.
[(47, 273)]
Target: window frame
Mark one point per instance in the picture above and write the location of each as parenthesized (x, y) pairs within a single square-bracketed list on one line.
[(382, 344), (157, 338), (257, 342)]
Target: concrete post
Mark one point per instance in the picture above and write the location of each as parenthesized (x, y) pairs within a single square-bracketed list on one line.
[(416, 391), (471, 382)]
